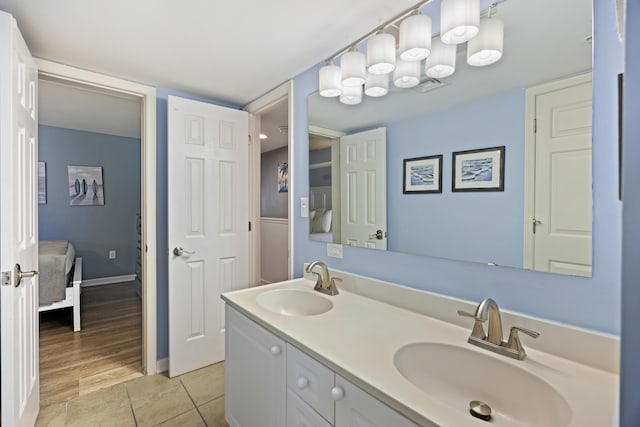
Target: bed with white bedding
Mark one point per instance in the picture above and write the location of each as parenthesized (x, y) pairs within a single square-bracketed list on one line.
[(60, 278)]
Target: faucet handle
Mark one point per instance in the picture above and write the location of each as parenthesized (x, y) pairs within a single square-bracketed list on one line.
[(467, 314), (478, 330), (514, 339)]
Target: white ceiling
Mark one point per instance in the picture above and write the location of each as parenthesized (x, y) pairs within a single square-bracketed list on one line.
[(230, 51), (88, 109)]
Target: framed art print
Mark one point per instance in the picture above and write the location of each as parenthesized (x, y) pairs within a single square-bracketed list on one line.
[(422, 175), (478, 170)]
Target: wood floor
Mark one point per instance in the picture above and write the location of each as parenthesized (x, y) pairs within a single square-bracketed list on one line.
[(107, 351)]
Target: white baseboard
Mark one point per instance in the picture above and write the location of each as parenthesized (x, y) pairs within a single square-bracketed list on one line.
[(162, 365), (107, 280)]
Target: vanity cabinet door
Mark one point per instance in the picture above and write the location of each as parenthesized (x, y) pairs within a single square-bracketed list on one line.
[(255, 368), (299, 414), (355, 408)]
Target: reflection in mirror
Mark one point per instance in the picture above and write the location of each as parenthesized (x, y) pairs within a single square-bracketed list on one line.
[(535, 102)]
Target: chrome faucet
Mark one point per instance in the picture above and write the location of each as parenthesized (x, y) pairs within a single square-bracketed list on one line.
[(488, 310), (324, 282)]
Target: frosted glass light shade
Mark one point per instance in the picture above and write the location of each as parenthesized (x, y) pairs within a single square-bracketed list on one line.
[(351, 95), (415, 38), (459, 20), (330, 84), (442, 61), (376, 85), (486, 47), (381, 54), (407, 73), (352, 69)]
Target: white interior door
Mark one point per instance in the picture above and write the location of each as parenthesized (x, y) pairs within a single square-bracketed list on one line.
[(18, 228), (562, 223), (363, 180), (208, 226)]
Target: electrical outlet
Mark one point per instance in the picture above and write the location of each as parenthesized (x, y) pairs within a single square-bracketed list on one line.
[(112, 254)]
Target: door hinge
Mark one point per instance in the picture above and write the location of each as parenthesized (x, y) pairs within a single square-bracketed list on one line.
[(6, 278), (249, 140), (249, 225), (535, 125)]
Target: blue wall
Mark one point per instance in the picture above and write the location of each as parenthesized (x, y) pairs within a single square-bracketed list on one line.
[(94, 230), (161, 215), (588, 302), (630, 376), (441, 224)]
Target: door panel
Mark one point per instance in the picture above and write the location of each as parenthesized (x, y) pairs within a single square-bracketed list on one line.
[(563, 181), (208, 214), (364, 190), (18, 228)]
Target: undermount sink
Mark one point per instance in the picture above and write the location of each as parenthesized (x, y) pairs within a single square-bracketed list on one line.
[(456, 376), (293, 302)]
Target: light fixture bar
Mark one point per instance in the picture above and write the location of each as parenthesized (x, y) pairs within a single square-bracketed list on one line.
[(395, 22)]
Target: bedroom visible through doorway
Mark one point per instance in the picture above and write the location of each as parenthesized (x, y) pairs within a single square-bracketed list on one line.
[(90, 154)]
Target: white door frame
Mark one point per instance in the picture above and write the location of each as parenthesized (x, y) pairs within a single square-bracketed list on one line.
[(147, 96), (257, 107), (530, 155)]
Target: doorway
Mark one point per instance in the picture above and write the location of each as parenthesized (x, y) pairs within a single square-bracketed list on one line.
[(94, 136), (274, 193), (271, 238)]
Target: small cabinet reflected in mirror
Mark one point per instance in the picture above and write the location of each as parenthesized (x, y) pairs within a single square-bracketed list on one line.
[(535, 102)]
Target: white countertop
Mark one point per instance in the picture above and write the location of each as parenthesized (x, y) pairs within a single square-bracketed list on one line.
[(359, 337)]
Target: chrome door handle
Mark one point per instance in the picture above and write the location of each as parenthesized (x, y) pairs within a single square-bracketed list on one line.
[(378, 235), (19, 274), (535, 223), (178, 251)]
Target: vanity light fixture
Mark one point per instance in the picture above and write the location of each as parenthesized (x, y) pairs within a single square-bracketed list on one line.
[(376, 85), (263, 137), (442, 61), (459, 20), (381, 54), (407, 73), (330, 84), (351, 95), (415, 38), (352, 68), (486, 47)]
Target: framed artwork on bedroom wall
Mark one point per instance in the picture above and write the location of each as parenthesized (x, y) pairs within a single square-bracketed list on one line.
[(42, 183), (85, 186)]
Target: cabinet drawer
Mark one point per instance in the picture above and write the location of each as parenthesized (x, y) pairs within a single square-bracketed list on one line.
[(299, 414), (358, 408), (311, 381)]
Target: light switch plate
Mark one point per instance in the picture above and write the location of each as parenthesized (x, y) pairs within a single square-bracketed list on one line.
[(304, 207), (334, 250), (112, 254)]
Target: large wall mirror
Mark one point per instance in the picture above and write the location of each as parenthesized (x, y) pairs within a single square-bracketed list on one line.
[(381, 173)]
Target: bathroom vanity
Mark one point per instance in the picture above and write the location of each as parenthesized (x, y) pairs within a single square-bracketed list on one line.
[(296, 357)]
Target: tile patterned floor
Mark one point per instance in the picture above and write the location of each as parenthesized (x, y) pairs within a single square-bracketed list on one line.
[(193, 399)]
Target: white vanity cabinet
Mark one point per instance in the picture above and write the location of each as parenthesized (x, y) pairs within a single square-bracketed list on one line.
[(269, 382), (255, 371)]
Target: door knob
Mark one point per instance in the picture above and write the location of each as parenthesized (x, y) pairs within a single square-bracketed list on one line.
[(19, 274), (378, 235), (179, 251)]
